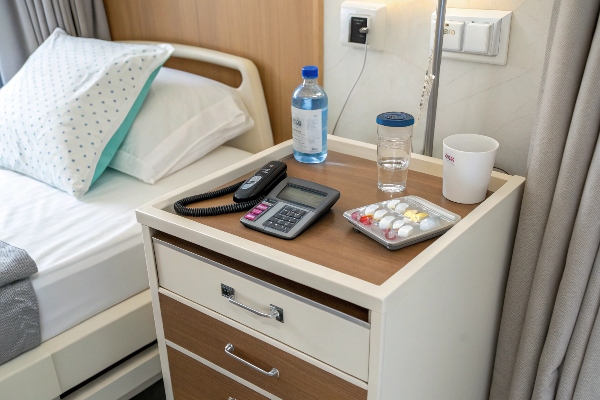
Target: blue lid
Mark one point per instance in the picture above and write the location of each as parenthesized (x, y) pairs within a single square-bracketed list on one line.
[(310, 72), (395, 119)]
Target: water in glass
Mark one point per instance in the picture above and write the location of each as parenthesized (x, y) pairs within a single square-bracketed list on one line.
[(393, 157)]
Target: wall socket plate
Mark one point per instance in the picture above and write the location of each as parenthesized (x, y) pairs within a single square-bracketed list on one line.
[(375, 13)]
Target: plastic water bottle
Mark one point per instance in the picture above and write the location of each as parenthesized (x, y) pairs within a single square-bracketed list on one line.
[(309, 119)]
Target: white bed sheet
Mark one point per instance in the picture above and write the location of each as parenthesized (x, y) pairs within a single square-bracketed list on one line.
[(89, 252)]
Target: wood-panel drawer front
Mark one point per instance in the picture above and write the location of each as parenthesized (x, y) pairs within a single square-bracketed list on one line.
[(334, 338), (195, 381), (207, 337)]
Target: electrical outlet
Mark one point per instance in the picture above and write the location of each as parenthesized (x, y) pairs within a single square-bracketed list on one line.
[(356, 23), (357, 14)]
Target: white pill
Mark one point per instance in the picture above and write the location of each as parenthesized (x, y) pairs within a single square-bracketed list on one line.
[(404, 231), (379, 214), (429, 223), (392, 204), (371, 209), (398, 224), (400, 208), (386, 222)]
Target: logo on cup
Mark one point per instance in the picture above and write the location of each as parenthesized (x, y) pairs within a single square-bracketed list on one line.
[(449, 158)]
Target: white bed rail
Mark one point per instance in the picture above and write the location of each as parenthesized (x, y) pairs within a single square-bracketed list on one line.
[(251, 91)]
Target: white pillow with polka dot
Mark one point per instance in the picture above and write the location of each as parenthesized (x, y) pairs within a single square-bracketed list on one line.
[(65, 113)]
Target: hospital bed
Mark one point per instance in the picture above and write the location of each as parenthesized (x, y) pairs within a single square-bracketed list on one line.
[(98, 338)]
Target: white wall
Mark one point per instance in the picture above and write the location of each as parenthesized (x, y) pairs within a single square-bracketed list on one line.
[(493, 100)]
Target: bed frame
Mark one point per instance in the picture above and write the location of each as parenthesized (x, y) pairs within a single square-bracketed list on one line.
[(250, 90), (112, 353), (278, 36)]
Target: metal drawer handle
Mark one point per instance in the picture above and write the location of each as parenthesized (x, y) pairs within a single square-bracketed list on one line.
[(229, 350), (275, 312)]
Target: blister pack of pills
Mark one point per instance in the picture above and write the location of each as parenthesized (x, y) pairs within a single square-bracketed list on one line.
[(400, 222)]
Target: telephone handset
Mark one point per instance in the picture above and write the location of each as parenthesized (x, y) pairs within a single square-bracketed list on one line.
[(247, 194), (261, 182)]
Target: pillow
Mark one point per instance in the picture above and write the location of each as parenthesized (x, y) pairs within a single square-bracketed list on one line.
[(184, 117), (65, 113)]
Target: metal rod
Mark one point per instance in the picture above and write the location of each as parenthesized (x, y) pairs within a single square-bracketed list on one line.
[(435, 70)]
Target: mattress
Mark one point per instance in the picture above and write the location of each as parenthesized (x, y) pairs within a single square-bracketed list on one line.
[(89, 252)]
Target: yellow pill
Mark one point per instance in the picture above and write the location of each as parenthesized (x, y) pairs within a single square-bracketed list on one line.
[(410, 213), (420, 217)]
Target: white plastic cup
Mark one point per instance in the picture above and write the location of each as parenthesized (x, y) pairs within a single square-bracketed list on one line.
[(468, 163)]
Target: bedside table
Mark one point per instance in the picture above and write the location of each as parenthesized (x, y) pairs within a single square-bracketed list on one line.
[(331, 314)]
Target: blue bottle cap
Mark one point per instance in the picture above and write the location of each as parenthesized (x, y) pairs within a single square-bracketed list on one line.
[(395, 119), (310, 72)]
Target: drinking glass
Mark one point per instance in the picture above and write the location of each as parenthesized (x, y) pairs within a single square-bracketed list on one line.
[(394, 145)]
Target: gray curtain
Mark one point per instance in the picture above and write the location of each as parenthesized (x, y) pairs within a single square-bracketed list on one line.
[(549, 341), (25, 24)]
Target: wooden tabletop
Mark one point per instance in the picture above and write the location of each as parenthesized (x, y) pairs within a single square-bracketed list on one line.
[(331, 241)]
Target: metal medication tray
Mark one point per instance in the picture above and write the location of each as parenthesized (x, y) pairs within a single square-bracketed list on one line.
[(425, 219)]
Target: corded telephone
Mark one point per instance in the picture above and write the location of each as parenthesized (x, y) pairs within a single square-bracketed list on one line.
[(279, 206), (247, 194)]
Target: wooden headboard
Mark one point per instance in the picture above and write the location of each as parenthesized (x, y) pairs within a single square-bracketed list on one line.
[(279, 36)]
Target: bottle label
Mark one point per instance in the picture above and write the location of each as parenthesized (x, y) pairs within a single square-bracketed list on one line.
[(307, 130)]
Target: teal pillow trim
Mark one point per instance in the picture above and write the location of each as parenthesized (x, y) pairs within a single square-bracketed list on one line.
[(115, 141)]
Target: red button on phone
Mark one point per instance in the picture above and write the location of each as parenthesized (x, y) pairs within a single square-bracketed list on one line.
[(256, 211), (262, 206), (251, 217)]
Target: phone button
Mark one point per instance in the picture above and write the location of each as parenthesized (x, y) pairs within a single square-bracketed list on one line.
[(275, 224), (250, 216), (251, 182), (256, 211), (262, 206)]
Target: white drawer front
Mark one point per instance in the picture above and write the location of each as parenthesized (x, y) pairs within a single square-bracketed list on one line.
[(342, 342)]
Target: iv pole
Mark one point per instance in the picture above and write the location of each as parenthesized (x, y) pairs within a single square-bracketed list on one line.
[(435, 71)]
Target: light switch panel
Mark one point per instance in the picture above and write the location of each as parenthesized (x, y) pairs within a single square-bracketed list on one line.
[(453, 35), (477, 37), (474, 35)]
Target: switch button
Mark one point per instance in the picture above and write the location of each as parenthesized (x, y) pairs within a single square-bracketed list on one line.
[(453, 34), (477, 37)]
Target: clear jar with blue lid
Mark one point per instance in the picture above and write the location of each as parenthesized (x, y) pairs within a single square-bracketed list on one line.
[(394, 147)]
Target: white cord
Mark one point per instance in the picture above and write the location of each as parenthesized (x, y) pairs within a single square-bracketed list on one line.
[(355, 82)]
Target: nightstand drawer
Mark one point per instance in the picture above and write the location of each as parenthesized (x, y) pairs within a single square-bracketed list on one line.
[(303, 324), (207, 338), (195, 381)]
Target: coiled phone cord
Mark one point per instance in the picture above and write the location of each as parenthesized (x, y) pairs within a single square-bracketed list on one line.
[(181, 209)]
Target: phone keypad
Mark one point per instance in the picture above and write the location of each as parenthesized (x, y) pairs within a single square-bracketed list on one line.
[(285, 219)]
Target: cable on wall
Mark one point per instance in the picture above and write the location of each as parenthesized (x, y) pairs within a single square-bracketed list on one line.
[(366, 32)]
